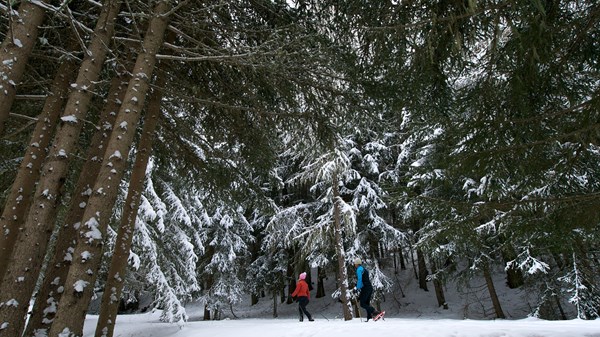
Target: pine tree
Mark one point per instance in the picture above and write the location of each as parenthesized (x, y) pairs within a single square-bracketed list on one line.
[(116, 274), (15, 51), (166, 247), (87, 254), (19, 280), (18, 200), (228, 238), (50, 292)]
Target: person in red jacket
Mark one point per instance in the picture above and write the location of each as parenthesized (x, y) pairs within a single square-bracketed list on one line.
[(303, 295)]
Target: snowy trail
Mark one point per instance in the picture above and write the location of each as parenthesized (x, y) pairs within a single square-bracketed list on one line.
[(147, 325)]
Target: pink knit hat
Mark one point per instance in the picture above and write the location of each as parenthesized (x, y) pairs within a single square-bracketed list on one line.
[(302, 276)]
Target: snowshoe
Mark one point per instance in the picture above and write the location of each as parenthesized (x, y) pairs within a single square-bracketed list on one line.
[(378, 316)]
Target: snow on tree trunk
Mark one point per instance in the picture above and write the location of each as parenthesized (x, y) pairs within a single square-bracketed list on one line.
[(88, 252), (116, 273), (16, 48), (19, 199), (26, 261), (50, 292), (341, 255)]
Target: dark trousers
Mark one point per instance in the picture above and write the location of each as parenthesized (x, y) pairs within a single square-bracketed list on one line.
[(302, 302), (365, 301)]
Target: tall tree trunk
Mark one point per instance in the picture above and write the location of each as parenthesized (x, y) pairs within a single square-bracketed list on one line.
[(320, 283), (208, 283), (282, 295), (401, 257), (49, 295), (26, 261), (563, 316), (291, 278), (309, 280), (492, 290), (341, 255), (422, 270), (439, 287), (412, 260), (275, 291), (88, 252), (118, 267), (19, 198), (16, 48)]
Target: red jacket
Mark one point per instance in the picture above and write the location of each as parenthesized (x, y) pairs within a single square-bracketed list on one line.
[(301, 289)]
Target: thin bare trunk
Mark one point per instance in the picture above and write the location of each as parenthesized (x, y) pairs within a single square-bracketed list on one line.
[(275, 303), (88, 252), (439, 288), (492, 290), (320, 282), (563, 316), (49, 294), (341, 255), (422, 270), (412, 260), (291, 281), (15, 51), (118, 267), (401, 257), (26, 261), (19, 199)]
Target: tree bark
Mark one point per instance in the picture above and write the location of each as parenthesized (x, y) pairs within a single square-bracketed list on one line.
[(291, 281), (282, 295), (492, 290), (422, 270), (401, 257), (563, 316), (341, 255), (118, 268), (26, 261), (19, 199), (15, 51), (320, 283), (412, 260), (275, 291), (49, 295), (88, 252), (439, 288)]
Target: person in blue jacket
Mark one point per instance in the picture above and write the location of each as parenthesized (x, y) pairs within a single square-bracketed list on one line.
[(364, 288)]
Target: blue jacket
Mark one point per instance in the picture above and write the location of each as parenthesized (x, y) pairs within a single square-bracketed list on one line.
[(363, 279)]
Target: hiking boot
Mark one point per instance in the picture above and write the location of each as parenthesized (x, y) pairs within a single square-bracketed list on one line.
[(311, 320)]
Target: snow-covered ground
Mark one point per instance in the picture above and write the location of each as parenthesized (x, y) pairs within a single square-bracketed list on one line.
[(148, 325), (410, 312)]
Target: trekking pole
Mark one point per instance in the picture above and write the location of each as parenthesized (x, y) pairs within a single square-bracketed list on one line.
[(357, 307)]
